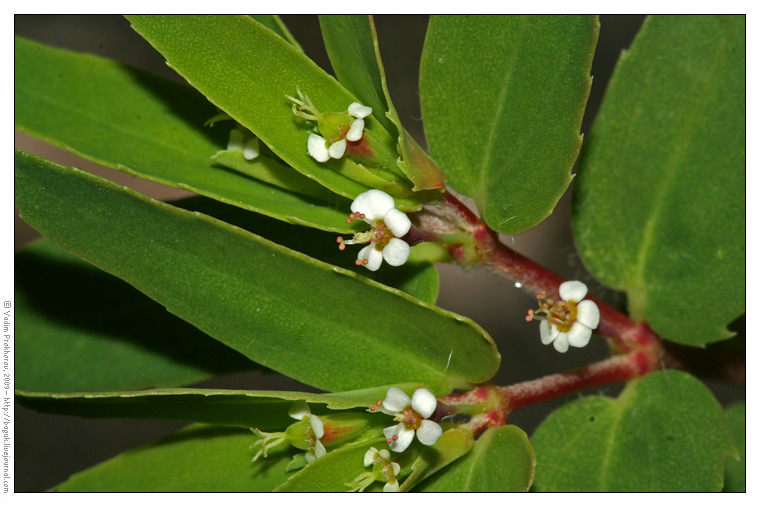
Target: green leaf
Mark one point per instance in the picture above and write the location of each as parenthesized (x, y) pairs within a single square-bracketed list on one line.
[(452, 445), (502, 99), (501, 460), (103, 336), (274, 23), (665, 432), (248, 71), (350, 45), (418, 278), (265, 410), (332, 471), (317, 323), (736, 473), (659, 208), (199, 458), (150, 127)]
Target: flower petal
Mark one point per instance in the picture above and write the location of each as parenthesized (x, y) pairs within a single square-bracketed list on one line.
[(359, 111), (424, 402), (298, 410), (396, 468), (560, 343), (391, 486), (373, 203), (396, 252), (236, 141), (548, 332), (573, 291), (251, 148), (396, 400), (337, 149), (356, 130), (317, 148), (588, 314), (397, 222), (369, 456), (317, 426), (319, 449), (405, 438), (373, 256), (429, 432), (579, 335)]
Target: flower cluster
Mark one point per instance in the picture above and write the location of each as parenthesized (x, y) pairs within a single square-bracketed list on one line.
[(413, 416), (336, 129), (388, 226), (568, 322), (383, 469), (305, 434)]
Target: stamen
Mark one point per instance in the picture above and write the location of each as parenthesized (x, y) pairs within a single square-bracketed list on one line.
[(354, 216)]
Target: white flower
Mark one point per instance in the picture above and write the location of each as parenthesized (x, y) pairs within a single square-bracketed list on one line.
[(412, 415), (245, 142), (304, 434), (337, 128), (383, 469), (388, 225), (568, 322), (300, 411)]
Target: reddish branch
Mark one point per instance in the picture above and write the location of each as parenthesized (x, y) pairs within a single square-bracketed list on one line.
[(638, 349)]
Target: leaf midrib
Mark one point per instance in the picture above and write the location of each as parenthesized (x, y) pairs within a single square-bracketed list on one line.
[(637, 282), (501, 103)]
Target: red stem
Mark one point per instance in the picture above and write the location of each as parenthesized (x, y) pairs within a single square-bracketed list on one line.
[(639, 349), (615, 369), (625, 334)]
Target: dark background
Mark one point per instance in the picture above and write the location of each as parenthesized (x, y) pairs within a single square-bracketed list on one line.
[(50, 448)]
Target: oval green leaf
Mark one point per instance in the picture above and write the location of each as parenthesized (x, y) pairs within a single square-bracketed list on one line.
[(196, 459), (265, 410), (659, 208), (451, 446), (501, 460), (317, 323), (94, 338), (150, 127), (502, 100), (665, 432), (736, 472)]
